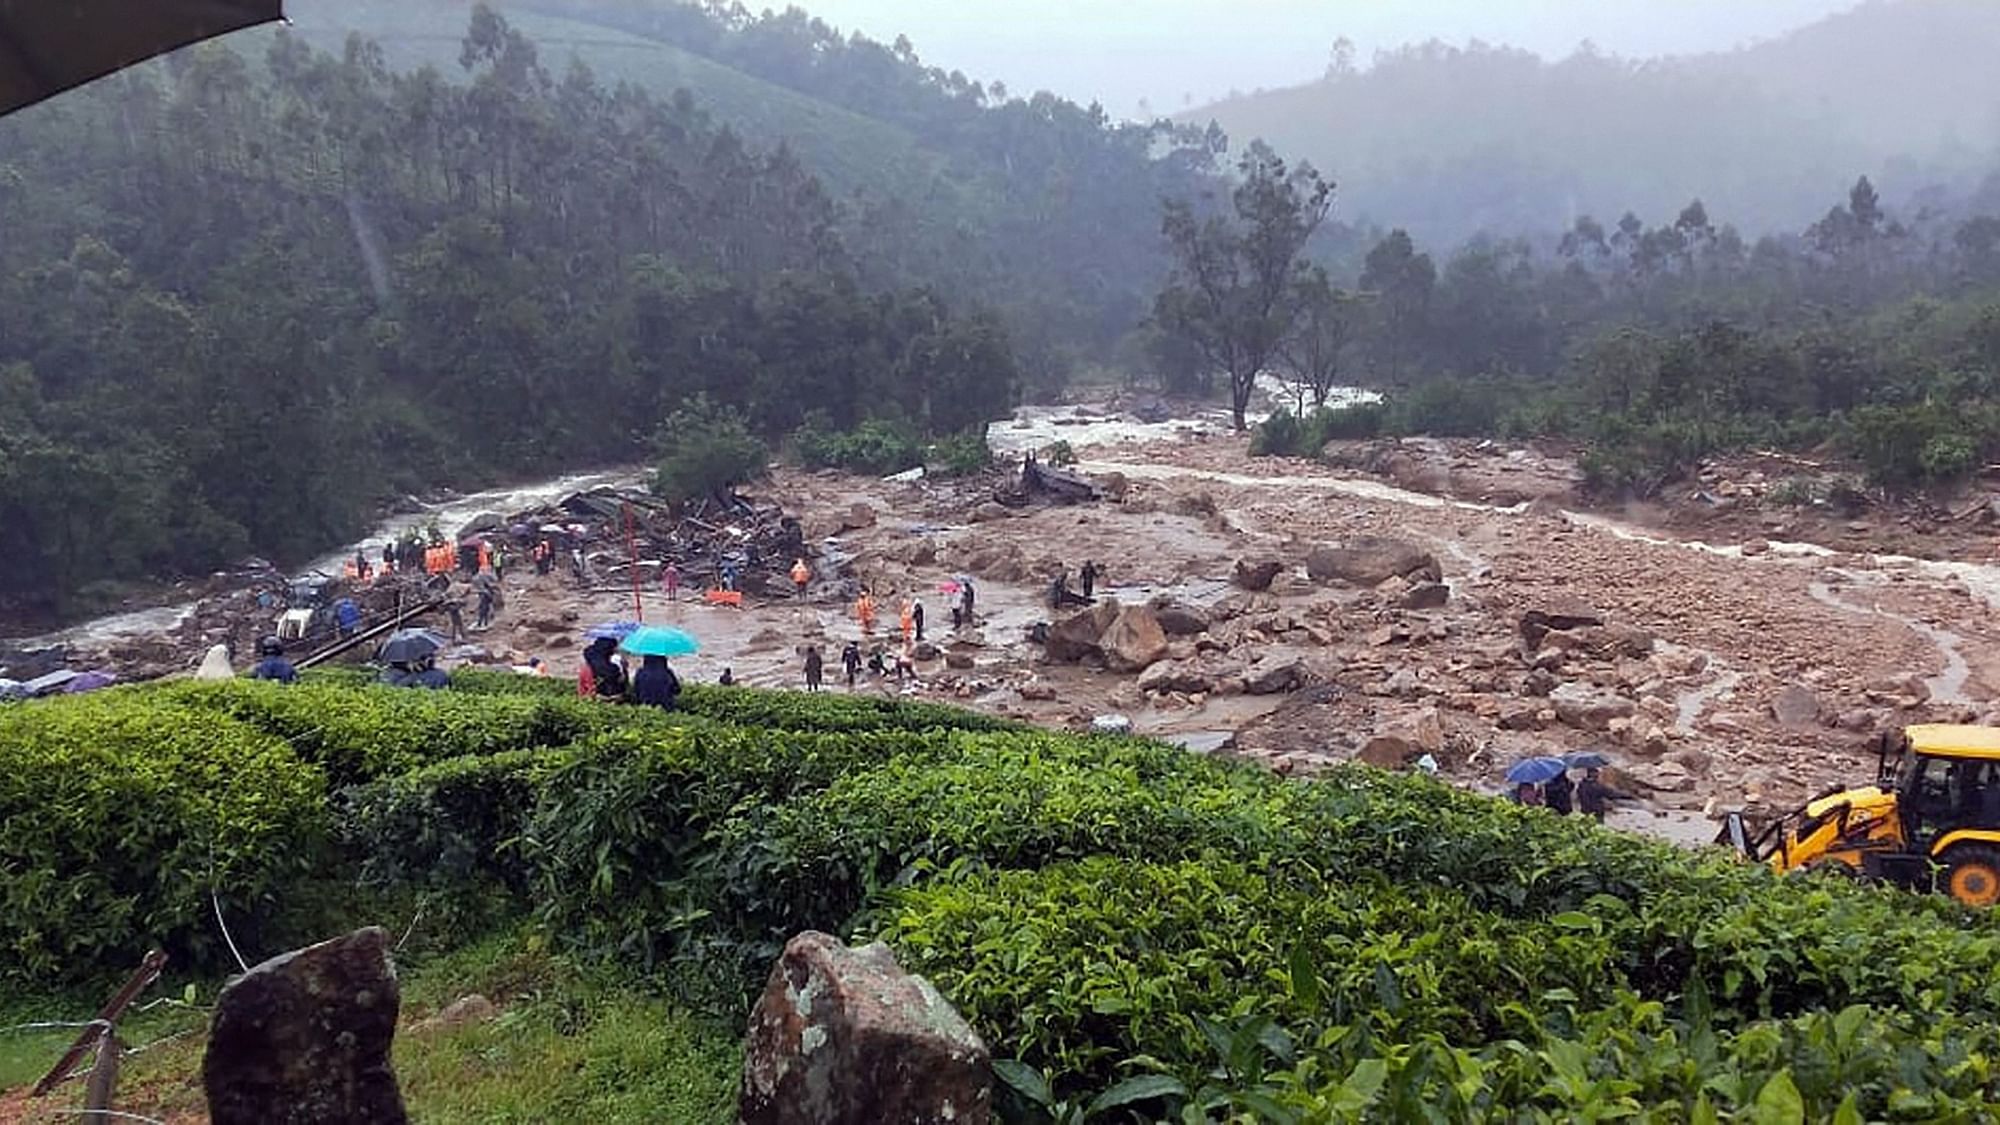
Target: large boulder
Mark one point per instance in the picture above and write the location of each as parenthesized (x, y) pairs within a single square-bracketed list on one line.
[(1370, 560), (1427, 595), (1180, 619), (845, 1037), (1796, 706), (304, 1038), (1184, 676), (1585, 708), (1076, 637), (1134, 641), (1257, 575), (1276, 671)]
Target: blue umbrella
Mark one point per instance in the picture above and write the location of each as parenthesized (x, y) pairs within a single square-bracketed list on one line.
[(613, 630), (1586, 760), (660, 640), (1534, 771)]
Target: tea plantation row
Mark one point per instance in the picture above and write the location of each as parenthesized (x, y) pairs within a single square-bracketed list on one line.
[(1139, 932)]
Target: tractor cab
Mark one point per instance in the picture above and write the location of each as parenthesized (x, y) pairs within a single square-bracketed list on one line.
[(1935, 805)]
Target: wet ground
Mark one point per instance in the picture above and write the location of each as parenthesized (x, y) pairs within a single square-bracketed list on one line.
[(1872, 640)]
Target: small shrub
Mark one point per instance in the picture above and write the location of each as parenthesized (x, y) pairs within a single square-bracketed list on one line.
[(878, 447), (962, 454)]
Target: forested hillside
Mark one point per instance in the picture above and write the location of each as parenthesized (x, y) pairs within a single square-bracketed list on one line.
[(244, 296), (1042, 208), (1454, 141)]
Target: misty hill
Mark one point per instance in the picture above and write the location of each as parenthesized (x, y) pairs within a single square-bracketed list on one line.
[(1450, 141), (1043, 208)]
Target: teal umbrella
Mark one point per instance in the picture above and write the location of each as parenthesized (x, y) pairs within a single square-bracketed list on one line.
[(660, 640)]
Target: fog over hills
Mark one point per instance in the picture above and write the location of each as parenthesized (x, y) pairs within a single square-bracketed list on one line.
[(1449, 140)]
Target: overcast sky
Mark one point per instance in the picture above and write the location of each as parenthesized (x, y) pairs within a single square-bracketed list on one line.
[(1119, 51)]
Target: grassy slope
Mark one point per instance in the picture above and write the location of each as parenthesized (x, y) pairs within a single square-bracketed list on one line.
[(567, 1046)]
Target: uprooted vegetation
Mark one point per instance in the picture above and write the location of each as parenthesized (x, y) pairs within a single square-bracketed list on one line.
[(1133, 928)]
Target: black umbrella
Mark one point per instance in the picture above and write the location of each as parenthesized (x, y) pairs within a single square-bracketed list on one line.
[(411, 645), (48, 46)]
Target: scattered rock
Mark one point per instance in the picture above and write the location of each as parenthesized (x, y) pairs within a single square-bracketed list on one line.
[(305, 1037), (924, 651), (1134, 641), (1386, 635), (1257, 575), (462, 1012), (1860, 720), (1796, 706), (1113, 485), (959, 661), (1369, 560), (1428, 595), (1539, 683), (1558, 614), (1180, 619), (845, 1037), (1389, 752), (859, 515), (1182, 676), (1275, 672), (1035, 690), (1585, 708), (988, 512)]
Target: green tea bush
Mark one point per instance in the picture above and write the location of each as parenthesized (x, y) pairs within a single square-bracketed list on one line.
[(358, 734), (815, 861), (621, 837), (120, 814), (737, 706), (1080, 966), (450, 825)]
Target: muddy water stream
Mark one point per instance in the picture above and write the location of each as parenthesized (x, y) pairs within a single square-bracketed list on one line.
[(1946, 687), (449, 515)]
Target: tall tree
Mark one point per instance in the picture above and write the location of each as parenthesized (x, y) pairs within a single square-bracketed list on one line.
[(1232, 289), (1322, 327)]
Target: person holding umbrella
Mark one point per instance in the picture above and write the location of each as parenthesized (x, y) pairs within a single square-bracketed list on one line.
[(1556, 793), (656, 685), (600, 677), (1528, 776)]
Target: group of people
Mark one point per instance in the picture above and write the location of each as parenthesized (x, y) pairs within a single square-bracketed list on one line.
[(604, 676), (1589, 797), (1062, 597), (878, 662)]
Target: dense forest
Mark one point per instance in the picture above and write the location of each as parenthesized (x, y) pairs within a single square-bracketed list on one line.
[(1449, 141), (1655, 344), (242, 299), (1043, 209)]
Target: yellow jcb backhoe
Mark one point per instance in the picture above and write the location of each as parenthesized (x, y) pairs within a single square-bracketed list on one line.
[(1931, 821)]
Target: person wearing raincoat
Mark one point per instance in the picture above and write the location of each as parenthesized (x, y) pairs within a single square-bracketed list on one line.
[(801, 576), (864, 611)]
